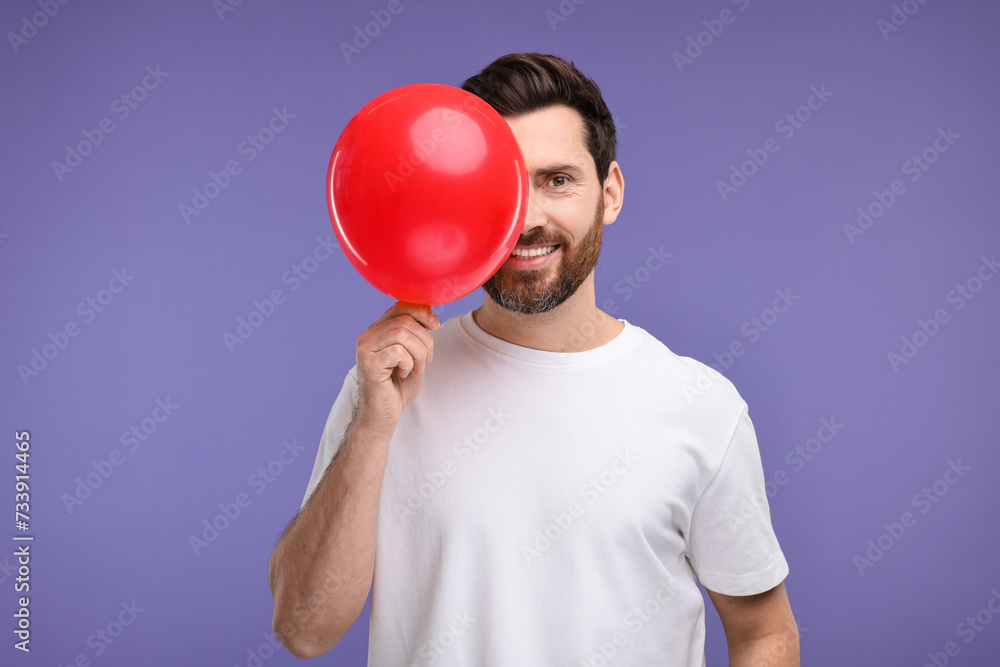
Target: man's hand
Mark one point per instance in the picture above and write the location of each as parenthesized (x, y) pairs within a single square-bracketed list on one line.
[(760, 629), (391, 357)]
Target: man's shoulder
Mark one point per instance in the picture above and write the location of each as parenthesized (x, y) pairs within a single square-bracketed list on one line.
[(694, 378), (452, 324), (450, 332)]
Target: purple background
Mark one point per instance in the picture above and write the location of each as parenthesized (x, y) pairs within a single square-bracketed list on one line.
[(161, 337)]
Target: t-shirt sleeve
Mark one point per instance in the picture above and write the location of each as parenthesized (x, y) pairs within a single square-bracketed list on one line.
[(732, 546), (333, 433)]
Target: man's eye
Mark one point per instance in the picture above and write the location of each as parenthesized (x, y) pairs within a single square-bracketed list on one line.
[(559, 181)]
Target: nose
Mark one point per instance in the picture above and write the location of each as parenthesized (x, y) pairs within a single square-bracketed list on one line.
[(534, 213)]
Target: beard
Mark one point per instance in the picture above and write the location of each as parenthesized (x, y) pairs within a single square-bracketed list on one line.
[(533, 292)]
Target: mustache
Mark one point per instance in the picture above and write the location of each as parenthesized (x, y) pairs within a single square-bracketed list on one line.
[(539, 237)]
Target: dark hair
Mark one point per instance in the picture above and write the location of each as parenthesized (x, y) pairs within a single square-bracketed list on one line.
[(519, 83)]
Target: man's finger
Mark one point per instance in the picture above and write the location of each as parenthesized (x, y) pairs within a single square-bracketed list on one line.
[(409, 340), (419, 312)]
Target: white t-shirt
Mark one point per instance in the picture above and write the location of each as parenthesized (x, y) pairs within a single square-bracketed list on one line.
[(546, 508)]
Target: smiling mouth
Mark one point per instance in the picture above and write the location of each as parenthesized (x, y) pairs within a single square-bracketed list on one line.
[(528, 253)]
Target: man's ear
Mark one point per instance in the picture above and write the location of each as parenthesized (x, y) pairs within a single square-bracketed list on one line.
[(614, 193)]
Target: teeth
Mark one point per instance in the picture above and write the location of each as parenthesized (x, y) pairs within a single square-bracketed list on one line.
[(533, 252)]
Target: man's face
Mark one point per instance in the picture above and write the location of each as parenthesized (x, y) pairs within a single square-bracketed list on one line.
[(561, 237)]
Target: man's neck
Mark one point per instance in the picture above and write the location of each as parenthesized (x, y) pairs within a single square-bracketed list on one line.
[(575, 325)]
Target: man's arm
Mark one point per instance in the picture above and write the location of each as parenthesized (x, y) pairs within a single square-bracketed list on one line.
[(321, 569), (760, 629)]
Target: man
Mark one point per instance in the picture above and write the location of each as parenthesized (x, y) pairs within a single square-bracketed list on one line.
[(528, 485)]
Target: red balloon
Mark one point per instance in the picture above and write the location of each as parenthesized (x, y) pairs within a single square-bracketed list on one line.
[(427, 192)]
